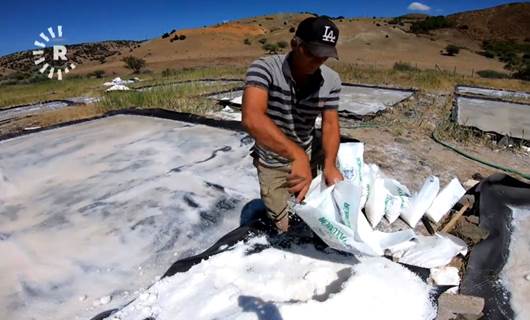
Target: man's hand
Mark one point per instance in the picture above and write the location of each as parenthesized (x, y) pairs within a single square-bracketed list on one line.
[(300, 177), (332, 175)]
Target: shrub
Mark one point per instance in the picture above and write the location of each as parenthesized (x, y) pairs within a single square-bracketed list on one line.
[(488, 54), (452, 50), (168, 72), (134, 63), (292, 29), (247, 42), (165, 35), (271, 48), (262, 40), (182, 37), (403, 66), (492, 74), (430, 23), (523, 71), (282, 44), (97, 73)]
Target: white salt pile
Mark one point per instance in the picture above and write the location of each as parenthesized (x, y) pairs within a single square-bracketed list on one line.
[(515, 275), (276, 284)]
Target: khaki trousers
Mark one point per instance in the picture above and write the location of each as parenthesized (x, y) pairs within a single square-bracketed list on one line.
[(274, 189)]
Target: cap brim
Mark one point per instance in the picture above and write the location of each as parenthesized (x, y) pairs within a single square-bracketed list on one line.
[(321, 50)]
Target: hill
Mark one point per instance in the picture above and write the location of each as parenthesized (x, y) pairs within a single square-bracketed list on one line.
[(374, 42), (505, 22)]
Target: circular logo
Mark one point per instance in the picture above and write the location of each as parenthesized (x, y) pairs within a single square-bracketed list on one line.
[(59, 53)]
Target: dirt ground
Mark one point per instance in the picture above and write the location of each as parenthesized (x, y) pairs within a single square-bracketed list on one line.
[(411, 159)]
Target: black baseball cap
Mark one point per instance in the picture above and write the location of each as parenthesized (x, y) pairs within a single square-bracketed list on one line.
[(319, 36)]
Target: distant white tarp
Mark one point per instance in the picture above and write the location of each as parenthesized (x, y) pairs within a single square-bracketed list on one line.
[(502, 94), (118, 81), (118, 87), (91, 213), (354, 100), (505, 118)]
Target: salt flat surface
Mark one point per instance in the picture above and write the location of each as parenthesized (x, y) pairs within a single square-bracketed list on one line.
[(516, 273), (94, 212), (505, 118), (363, 101), (354, 100), (41, 107), (298, 283), (503, 94)]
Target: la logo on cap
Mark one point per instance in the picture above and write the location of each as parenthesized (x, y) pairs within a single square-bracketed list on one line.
[(328, 35)]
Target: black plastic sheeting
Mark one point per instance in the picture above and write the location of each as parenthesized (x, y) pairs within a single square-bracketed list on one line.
[(487, 259)]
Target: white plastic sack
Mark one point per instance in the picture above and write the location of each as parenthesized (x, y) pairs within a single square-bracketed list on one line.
[(386, 197), (447, 198), (430, 251), (420, 202), (375, 205), (334, 215), (351, 164), (320, 213)]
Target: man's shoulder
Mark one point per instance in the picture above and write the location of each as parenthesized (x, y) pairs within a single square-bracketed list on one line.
[(329, 74), (271, 61)]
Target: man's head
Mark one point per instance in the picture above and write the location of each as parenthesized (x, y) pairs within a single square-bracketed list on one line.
[(314, 42)]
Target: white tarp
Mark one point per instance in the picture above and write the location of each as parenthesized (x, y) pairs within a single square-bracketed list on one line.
[(118, 81)]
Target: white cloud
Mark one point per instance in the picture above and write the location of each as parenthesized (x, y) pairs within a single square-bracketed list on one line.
[(419, 6)]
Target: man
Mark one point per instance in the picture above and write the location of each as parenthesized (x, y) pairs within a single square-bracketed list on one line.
[(283, 96)]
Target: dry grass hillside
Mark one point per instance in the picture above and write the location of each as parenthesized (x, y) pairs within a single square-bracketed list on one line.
[(367, 42), (505, 22), (362, 41)]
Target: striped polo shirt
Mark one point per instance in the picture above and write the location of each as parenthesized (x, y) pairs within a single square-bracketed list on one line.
[(292, 109)]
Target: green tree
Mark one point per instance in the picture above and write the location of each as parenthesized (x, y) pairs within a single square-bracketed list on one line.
[(271, 48), (282, 44), (134, 63)]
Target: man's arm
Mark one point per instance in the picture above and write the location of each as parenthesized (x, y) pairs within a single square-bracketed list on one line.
[(267, 134), (330, 145)]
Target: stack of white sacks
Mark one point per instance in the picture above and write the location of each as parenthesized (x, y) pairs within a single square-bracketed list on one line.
[(335, 215)]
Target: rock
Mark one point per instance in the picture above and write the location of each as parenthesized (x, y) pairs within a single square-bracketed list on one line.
[(473, 219), (477, 176), (470, 232), (470, 183), (457, 306), (506, 142)]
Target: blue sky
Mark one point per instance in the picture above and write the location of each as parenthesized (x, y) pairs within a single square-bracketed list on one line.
[(21, 22)]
